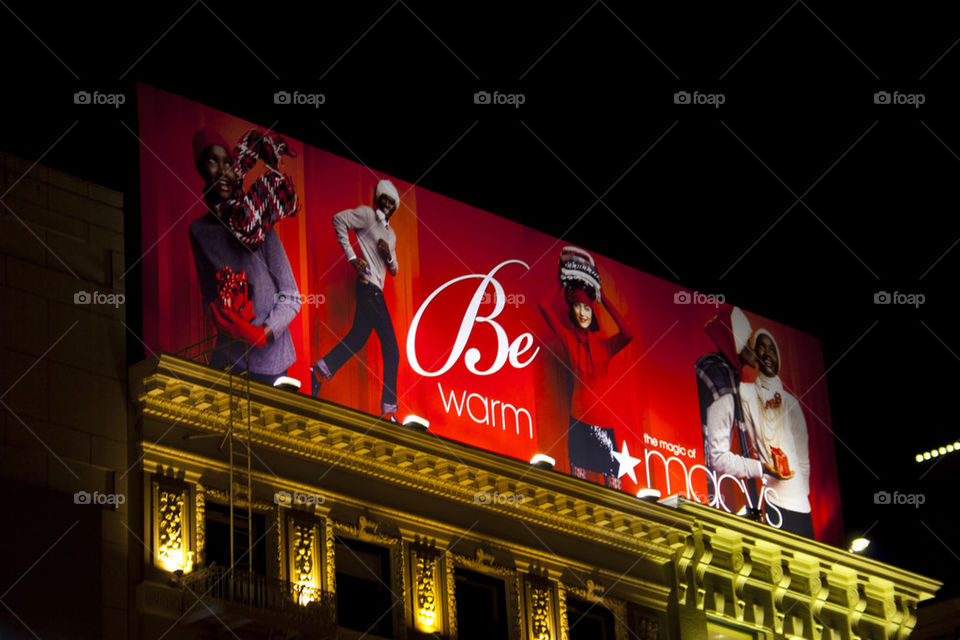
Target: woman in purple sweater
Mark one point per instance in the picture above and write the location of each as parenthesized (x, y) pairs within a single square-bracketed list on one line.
[(237, 232)]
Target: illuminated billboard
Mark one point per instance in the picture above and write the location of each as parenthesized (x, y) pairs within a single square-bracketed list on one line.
[(394, 300)]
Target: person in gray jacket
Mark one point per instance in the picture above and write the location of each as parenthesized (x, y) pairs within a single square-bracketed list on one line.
[(378, 244), (236, 232)]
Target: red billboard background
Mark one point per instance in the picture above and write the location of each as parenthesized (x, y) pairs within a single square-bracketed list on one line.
[(650, 393)]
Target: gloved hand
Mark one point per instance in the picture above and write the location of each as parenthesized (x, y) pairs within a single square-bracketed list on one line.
[(254, 146), (237, 325)]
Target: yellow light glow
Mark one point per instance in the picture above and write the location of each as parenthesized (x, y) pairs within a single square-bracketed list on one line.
[(426, 619), (942, 450), (306, 591), (949, 448), (934, 453), (926, 456), (174, 559), (919, 457)]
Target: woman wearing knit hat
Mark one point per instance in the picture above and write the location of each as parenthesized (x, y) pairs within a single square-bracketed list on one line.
[(591, 440), (721, 414), (245, 278)]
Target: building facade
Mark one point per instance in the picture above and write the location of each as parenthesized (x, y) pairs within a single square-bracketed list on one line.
[(172, 500), (448, 522)]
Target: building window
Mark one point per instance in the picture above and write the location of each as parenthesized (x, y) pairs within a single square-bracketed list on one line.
[(364, 599), (589, 620), (217, 525), (481, 606)]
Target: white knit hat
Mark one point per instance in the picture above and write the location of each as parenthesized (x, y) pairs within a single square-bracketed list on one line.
[(385, 187), (741, 329)]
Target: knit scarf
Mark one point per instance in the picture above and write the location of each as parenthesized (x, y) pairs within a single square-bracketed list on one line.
[(271, 198)]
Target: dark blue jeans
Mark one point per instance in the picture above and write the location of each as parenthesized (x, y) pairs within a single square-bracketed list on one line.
[(371, 315)]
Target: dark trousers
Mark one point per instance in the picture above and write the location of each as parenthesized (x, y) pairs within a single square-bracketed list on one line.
[(371, 315), (796, 522), (587, 451)]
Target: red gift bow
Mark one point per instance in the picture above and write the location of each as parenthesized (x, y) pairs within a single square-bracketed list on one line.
[(774, 402), (232, 289)]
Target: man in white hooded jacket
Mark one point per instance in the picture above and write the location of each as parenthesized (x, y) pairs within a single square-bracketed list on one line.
[(774, 420), (378, 244)]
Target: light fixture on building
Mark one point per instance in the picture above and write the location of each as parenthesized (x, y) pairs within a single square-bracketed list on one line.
[(305, 592), (416, 422), (858, 545), (936, 452), (649, 494), (286, 383), (427, 620), (672, 501), (543, 461)]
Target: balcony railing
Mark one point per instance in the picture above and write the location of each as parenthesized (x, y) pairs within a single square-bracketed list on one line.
[(300, 603)]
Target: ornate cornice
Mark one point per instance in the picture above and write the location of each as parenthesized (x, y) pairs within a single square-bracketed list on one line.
[(745, 573), (727, 567), (194, 396)]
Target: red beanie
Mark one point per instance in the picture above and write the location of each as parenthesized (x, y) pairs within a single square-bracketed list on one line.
[(575, 295), (204, 139)]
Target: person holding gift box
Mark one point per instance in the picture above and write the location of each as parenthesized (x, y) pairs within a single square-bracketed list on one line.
[(245, 278), (778, 431), (591, 441), (721, 410)]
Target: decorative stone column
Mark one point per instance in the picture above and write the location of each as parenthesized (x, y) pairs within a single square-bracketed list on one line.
[(171, 527), (427, 614), (541, 606)]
